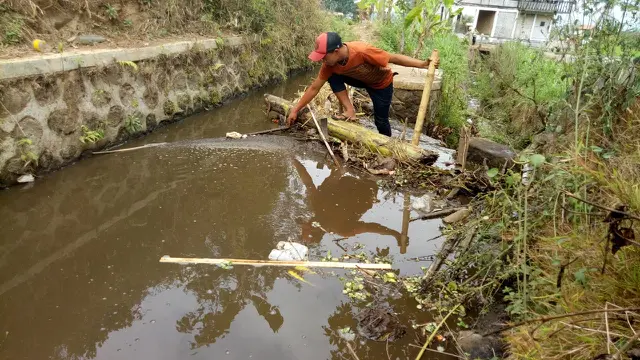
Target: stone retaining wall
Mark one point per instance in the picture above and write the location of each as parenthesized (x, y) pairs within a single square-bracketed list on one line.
[(407, 94), (47, 101)]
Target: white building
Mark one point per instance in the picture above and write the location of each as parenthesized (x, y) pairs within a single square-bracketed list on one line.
[(501, 20)]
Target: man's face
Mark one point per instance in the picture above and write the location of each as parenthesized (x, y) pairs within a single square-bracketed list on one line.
[(331, 58)]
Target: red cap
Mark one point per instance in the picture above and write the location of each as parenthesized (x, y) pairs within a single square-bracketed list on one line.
[(325, 43)]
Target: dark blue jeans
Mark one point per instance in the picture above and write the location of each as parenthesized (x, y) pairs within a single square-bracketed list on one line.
[(381, 99)]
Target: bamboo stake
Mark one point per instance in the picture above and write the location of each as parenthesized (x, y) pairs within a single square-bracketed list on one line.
[(315, 121), (129, 149), (320, 264), (426, 93)]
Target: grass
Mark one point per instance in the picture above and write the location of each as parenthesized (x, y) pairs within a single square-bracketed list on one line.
[(520, 92)]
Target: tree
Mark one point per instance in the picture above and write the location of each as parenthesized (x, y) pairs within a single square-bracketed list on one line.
[(347, 7)]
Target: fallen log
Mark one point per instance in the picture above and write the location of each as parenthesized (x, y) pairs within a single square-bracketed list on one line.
[(356, 134), (321, 264)]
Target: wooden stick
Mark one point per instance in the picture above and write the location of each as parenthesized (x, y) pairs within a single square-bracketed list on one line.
[(426, 93), (315, 121), (602, 207), (321, 264), (268, 131), (545, 319), (439, 213), (129, 149)]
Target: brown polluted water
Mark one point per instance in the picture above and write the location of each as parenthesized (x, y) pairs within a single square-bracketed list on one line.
[(80, 276)]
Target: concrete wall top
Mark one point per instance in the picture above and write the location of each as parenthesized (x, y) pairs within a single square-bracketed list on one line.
[(414, 78), (75, 59), (508, 4)]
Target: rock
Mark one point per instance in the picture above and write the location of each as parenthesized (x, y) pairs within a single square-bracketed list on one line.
[(634, 354), (63, 122), (480, 347), (151, 121), (115, 117), (457, 216), (26, 179), (31, 129), (90, 39), (14, 99), (495, 154)]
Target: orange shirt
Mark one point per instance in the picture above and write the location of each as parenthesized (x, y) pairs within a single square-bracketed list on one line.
[(366, 63)]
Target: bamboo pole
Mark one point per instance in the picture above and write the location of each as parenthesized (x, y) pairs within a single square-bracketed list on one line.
[(426, 94), (320, 264), (406, 214)]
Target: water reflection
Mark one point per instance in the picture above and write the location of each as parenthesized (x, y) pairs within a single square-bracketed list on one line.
[(338, 205)]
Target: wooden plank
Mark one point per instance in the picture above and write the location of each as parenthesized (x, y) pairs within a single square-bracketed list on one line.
[(321, 264)]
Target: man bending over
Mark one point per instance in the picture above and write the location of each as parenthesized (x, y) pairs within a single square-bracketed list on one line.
[(360, 65)]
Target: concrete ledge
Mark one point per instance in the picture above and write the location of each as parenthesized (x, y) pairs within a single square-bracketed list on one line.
[(414, 78), (71, 60)]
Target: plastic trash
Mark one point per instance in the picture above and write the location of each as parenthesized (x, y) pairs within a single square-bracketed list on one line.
[(423, 204), (26, 179), (289, 251), (235, 135)]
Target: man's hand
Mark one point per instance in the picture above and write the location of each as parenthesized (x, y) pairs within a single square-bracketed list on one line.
[(293, 116), (427, 62)]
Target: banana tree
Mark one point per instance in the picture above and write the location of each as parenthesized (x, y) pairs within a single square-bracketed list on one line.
[(428, 18)]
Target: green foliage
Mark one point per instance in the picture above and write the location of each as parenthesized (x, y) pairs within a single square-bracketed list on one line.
[(129, 64), (424, 20), (27, 155), (133, 124), (90, 136), (520, 92), (12, 30), (343, 27), (112, 12), (347, 7)]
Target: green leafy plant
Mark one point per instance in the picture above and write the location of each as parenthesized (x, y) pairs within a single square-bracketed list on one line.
[(112, 12), (27, 155), (425, 19), (133, 124), (90, 136), (226, 265), (127, 23), (129, 64), (355, 289), (13, 32)]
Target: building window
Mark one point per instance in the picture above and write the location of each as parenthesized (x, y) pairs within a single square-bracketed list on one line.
[(542, 23)]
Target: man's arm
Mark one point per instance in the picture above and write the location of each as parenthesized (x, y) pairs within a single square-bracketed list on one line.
[(409, 61), (311, 93)]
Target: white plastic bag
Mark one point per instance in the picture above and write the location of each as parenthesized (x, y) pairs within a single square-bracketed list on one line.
[(289, 251)]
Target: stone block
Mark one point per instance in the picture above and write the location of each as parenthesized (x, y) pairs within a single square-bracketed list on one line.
[(15, 98), (63, 121), (495, 154)]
